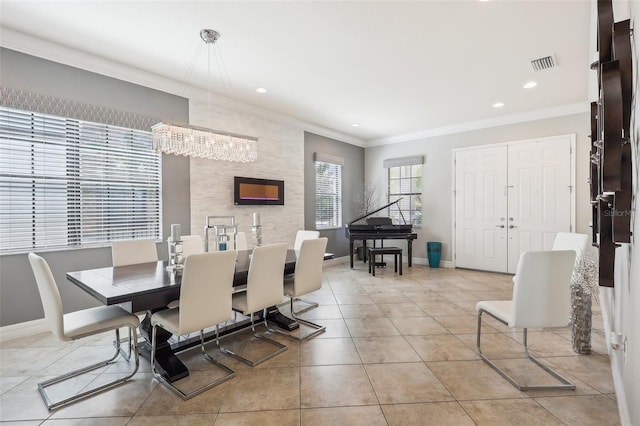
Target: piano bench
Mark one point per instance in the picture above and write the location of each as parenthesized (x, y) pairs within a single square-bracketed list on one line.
[(374, 251)]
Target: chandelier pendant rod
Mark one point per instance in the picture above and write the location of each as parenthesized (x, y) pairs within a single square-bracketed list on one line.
[(194, 141)]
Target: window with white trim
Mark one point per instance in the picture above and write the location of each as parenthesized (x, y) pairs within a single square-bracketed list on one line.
[(328, 195), (68, 183), (405, 183)]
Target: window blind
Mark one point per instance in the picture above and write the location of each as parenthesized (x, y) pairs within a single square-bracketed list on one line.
[(68, 183), (328, 195), (405, 183)]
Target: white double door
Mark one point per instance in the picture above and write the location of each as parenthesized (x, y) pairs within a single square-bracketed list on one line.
[(510, 199)]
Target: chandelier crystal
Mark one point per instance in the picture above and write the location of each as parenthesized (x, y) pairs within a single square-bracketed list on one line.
[(197, 142), (200, 142)]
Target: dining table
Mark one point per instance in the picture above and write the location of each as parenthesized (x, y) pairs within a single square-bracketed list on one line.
[(149, 287)]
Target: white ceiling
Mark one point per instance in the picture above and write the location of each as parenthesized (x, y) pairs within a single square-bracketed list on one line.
[(398, 68)]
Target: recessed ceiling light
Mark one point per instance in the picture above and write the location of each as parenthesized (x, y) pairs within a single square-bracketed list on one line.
[(530, 84), (498, 105), (261, 90), (355, 125)]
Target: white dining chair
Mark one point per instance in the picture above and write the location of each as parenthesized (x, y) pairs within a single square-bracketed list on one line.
[(264, 289), (205, 301), (132, 252), (301, 236), (541, 298), (241, 241), (571, 241), (306, 279), (79, 324), (191, 244)]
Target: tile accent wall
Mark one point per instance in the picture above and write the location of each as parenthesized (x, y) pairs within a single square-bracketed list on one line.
[(280, 156)]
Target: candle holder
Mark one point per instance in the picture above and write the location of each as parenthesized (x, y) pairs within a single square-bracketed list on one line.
[(223, 233), (176, 256), (256, 230)]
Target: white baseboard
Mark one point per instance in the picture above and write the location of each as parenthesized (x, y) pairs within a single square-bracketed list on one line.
[(425, 261), (618, 385), (23, 329), (616, 359), (416, 260), (336, 261)]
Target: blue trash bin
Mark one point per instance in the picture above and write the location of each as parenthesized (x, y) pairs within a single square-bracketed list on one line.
[(434, 250)]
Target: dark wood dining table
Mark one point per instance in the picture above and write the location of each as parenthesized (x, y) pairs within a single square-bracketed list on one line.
[(150, 287)]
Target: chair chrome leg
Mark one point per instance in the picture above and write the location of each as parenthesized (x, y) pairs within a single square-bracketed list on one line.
[(128, 341), (253, 363), (57, 404), (318, 329), (566, 384), (185, 396), (311, 305)]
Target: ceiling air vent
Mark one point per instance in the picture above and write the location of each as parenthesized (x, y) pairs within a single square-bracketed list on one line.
[(544, 63)]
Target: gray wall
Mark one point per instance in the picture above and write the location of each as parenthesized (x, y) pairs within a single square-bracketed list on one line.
[(19, 298), (352, 186), (437, 189)]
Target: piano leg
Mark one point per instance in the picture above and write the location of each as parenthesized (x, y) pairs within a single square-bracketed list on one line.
[(351, 252), (409, 253)]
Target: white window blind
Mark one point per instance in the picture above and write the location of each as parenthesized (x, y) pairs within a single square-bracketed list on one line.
[(328, 195), (405, 182), (68, 183)]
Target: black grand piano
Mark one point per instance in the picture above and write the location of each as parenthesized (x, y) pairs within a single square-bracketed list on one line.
[(379, 228)]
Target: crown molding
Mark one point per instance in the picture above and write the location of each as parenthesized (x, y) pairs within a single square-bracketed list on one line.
[(541, 114), (45, 49), (25, 43)]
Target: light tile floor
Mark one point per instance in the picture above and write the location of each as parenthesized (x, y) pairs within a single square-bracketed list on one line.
[(399, 350)]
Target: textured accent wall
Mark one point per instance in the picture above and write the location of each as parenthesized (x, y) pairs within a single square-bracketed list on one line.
[(280, 156)]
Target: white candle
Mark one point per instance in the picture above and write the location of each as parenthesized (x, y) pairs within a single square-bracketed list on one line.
[(256, 219), (175, 232)]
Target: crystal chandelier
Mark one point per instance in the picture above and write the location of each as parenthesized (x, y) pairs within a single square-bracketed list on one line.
[(200, 142), (204, 143)]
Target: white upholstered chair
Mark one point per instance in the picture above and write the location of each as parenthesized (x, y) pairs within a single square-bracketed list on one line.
[(571, 241), (301, 236), (77, 325), (241, 241), (131, 252), (205, 301), (191, 244), (264, 289), (306, 279), (541, 298)]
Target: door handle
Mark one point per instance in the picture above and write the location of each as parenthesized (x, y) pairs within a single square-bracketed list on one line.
[(512, 226), (499, 226)]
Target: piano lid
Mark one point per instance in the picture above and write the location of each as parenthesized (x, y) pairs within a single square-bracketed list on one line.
[(376, 211)]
